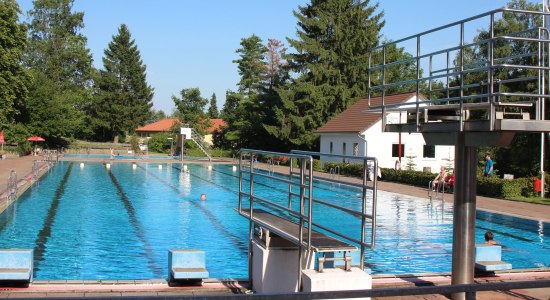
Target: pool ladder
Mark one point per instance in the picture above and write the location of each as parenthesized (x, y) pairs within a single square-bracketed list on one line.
[(433, 193), (334, 172), (12, 185)]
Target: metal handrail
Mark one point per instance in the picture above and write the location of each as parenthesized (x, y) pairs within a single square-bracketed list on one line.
[(199, 141), (304, 218), (487, 64), (365, 187), (12, 185), (34, 169)]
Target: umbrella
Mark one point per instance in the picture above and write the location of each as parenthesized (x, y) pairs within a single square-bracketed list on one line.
[(36, 139)]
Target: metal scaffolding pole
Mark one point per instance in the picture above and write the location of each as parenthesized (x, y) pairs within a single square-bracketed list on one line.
[(464, 214)]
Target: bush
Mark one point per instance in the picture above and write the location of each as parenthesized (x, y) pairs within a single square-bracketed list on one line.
[(24, 148), (134, 143), (159, 143), (486, 186), (504, 188), (218, 152)]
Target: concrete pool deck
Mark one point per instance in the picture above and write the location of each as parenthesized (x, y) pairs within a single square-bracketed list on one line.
[(113, 288)]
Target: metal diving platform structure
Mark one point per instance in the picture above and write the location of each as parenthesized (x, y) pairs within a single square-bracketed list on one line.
[(479, 89), (292, 241)]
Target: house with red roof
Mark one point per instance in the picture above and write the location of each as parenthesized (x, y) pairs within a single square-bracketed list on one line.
[(217, 125), (160, 126), (358, 132), (166, 125)]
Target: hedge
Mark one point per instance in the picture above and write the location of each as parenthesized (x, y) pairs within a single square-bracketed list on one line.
[(486, 186)]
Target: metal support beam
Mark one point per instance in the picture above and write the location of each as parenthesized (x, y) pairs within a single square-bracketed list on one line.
[(464, 214)]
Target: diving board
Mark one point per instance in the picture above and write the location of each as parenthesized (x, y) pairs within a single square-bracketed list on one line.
[(290, 231)]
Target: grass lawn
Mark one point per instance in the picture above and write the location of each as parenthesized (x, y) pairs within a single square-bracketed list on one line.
[(537, 200)]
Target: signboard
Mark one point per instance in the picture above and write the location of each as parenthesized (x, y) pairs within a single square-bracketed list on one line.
[(2, 136), (187, 132)]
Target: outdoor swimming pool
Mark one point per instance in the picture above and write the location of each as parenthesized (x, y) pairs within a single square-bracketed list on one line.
[(90, 223), (118, 156)]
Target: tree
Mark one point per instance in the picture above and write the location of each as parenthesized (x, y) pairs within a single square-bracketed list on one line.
[(276, 73), (156, 115), (125, 99), (213, 109), (250, 64), (14, 79), (191, 109), (61, 64), (334, 38)]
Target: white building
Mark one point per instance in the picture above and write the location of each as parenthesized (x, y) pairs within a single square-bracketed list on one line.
[(359, 133)]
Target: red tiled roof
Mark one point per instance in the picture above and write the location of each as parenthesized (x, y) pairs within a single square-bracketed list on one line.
[(217, 124), (162, 125), (355, 119)]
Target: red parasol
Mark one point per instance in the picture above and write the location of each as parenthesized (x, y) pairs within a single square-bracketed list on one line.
[(36, 139)]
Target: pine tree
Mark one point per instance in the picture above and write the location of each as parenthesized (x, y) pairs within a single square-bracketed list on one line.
[(61, 66), (124, 100), (334, 38), (213, 109), (250, 64), (14, 79)]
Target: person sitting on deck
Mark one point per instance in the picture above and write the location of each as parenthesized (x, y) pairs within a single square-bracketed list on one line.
[(489, 238), (439, 179), (450, 181)]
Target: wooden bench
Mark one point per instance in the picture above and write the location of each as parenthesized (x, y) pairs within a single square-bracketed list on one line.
[(489, 258), (187, 265), (16, 265)]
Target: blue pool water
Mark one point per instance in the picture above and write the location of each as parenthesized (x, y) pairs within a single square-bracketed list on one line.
[(90, 223), (124, 156)]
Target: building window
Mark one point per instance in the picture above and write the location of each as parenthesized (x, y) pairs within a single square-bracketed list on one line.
[(355, 149), (331, 148), (429, 151), (395, 150), (343, 151)]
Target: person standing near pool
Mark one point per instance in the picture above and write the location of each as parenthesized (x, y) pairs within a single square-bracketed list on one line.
[(488, 166)]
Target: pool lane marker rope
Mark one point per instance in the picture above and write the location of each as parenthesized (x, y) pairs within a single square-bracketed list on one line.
[(233, 237), (148, 250), (46, 231)]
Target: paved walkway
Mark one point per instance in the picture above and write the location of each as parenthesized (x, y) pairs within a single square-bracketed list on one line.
[(23, 167)]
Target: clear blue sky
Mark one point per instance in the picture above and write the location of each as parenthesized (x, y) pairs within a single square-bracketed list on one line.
[(192, 43)]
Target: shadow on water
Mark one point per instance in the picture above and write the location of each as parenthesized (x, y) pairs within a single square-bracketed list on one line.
[(148, 250), (46, 230)]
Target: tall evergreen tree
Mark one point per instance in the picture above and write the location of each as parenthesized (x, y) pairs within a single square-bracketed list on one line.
[(61, 64), (213, 109), (125, 99), (14, 79), (250, 64), (276, 73), (191, 109), (334, 38)]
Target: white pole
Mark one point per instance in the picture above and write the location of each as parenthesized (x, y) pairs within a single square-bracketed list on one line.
[(542, 187)]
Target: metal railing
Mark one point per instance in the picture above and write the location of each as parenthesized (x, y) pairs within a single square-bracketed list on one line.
[(369, 163), (487, 64), (435, 189), (34, 172), (203, 145), (12, 185), (305, 195)]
